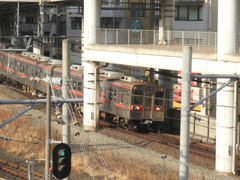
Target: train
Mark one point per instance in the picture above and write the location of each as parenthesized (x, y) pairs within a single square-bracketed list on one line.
[(128, 102)]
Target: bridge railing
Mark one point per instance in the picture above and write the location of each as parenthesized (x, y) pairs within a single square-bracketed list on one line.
[(170, 40)]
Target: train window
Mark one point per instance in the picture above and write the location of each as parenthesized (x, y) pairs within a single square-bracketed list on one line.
[(28, 70), (159, 98), (103, 92), (40, 74), (34, 72), (137, 98), (79, 86), (12, 64), (111, 93), (148, 99), (20, 68), (23, 69), (115, 95), (127, 99), (74, 85), (44, 73), (122, 97)]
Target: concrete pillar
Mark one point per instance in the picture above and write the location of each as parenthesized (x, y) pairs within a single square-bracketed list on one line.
[(38, 47), (227, 27), (89, 97), (91, 22), (167, 19)]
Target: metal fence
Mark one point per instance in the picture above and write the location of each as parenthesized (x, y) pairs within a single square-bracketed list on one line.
[(201, 41)]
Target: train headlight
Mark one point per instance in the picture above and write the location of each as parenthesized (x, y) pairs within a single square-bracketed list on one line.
[(135, 108), (159, 109), (147, 108)]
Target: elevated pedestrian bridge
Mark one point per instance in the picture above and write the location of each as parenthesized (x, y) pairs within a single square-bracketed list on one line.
[(164, 51)]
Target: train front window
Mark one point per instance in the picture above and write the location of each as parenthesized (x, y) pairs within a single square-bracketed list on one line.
[(159, 98), (137, 97), (148, 99)]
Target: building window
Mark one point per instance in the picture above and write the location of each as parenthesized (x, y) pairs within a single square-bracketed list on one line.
[(112, 2), (29, 19), (138, 10), (188, 13), (157, 6), (110, 23), (76, 23)]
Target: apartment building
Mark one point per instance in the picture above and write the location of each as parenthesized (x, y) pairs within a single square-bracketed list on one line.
[(196, 15)]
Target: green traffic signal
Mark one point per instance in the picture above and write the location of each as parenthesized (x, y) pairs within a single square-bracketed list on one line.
[(61, 161), (62, 152)]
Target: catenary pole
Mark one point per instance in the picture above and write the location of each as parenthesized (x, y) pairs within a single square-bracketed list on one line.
[(185, 112), (48, 132), (65, 90), (235, 125)]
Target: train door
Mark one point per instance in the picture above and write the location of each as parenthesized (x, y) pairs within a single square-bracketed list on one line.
[(159, 104), (148, 105), (111, 101), (121, 103), (137, 103), (15, 66)]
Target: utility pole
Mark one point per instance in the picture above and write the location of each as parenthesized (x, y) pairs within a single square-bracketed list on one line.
[(65, 90), (48, 132), (185, 112)]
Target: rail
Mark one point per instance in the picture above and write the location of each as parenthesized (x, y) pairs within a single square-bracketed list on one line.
[(203, 42)]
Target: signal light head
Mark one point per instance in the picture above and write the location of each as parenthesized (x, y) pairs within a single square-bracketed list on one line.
[(61, 161)]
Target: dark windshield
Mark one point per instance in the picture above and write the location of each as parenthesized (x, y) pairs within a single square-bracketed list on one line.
[(137, 97), (159, 98)]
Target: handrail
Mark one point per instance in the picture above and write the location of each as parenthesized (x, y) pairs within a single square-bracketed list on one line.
[(202, 41)]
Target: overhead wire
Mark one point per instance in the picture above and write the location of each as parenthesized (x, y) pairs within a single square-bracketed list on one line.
[(101, 157), (87, 158), (116, 141)]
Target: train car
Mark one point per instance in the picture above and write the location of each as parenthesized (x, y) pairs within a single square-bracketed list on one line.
[(131, 103), (123, 99), (26, 72)]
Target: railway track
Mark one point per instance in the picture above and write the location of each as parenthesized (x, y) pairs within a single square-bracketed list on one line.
[(204, 150), (198, 148), (10, 170)]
